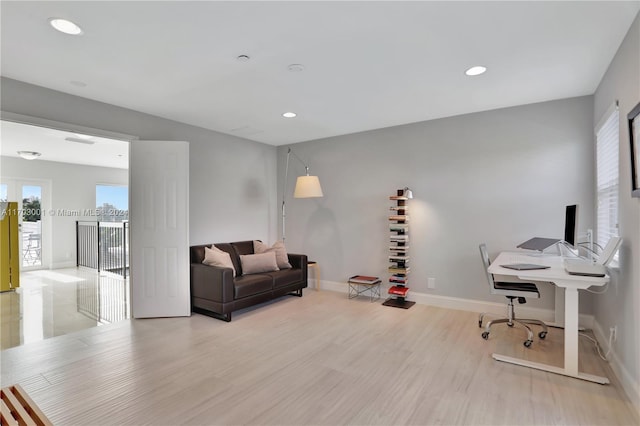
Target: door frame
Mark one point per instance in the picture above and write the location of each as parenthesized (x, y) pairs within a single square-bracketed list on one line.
[(69, 127), (66, 127)]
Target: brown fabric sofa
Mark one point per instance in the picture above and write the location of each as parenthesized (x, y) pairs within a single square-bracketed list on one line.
[(217, 293)]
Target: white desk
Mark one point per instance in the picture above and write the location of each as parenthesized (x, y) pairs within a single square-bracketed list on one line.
[(571, 284)]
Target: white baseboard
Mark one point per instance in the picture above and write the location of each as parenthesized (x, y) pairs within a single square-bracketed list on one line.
[(62, 265), (468, 305), (630, 385)]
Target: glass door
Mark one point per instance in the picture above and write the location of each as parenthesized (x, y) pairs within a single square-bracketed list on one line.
[(29, 195), (31, 226)]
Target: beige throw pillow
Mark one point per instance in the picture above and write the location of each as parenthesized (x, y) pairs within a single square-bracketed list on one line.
[(256, 263), (215, 257), (278, 247)]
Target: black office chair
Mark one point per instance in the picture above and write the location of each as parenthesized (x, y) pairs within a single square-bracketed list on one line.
[(511, 290)]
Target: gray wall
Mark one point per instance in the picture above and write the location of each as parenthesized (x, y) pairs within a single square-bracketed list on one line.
[(620, 306), (68, 192), (232, 180), (498, 177)]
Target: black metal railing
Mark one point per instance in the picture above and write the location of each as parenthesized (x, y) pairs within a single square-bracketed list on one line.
[(103, 246)]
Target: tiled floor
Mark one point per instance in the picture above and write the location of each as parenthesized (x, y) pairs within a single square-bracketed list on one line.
[(51, 303)]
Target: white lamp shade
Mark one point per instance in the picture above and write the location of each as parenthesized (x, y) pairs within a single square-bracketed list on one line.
[(408, 193), (307, 187)]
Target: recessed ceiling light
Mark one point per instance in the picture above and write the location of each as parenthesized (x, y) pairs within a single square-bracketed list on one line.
[(65, 26), (289, 114), (477, 70), (296, 67), (78, 83), (29, 155), (243, 58)]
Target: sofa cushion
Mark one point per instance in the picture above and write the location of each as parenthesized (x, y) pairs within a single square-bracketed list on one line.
[(234, 257), (285, 277), (249, 285), (278, 247), (216, 257), (256, 263)]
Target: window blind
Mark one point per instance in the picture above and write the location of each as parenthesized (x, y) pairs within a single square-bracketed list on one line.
[(607, 147)]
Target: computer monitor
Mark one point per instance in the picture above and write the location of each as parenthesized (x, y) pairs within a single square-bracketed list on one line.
[(571, 225), (570, 233)]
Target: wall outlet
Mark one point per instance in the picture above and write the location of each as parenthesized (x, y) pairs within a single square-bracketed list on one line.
[(431, 282)]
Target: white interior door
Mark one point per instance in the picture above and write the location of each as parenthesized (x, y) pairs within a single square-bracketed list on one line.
[(159, 220)]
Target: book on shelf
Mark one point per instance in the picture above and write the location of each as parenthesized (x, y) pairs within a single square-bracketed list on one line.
[(398, 197), (400, 234), (397, 270), (399, 238), (399, 225), (399, 279), (397, 258), (399, 290), (398, 208), (399, 217), (401, 264), (399, 248), (364, 279)]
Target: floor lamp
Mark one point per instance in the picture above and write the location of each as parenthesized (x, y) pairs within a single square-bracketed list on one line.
[(306, 187)]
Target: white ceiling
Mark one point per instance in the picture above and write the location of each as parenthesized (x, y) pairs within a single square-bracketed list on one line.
[(52, 144), (367, 65)]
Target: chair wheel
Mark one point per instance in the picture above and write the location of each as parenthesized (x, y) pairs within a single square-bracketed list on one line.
[(542, 334), (485, 335), (510, 325), (528, 343), (480, 324)]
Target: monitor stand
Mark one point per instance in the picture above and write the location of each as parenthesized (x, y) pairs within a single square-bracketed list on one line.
[(546, 251)]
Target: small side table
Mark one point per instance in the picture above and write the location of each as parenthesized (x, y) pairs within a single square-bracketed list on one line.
[(358, 288), (316, 272)]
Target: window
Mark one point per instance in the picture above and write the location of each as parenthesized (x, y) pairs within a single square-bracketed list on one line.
[(112, 203), (607, 146), (31, 203)]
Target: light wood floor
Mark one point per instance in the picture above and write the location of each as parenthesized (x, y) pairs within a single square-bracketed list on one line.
[(321, 359)]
